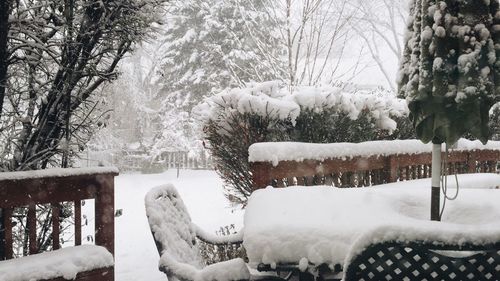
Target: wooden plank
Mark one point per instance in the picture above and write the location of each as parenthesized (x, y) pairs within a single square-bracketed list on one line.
[(33, 247), (412, 159), (392, 167), (8, 241), (55, 226), (78, 222), (260, 174), (14, 193)]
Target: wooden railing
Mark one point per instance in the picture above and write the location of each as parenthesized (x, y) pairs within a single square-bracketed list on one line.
[(54, 187), (367, 171)]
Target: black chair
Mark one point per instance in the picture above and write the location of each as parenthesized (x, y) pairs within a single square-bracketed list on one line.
[(418, 260)]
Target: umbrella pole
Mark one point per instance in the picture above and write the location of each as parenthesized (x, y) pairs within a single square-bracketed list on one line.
[(436, 178)]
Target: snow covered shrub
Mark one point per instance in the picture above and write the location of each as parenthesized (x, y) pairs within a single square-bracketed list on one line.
[(216, 253), (235, 119)]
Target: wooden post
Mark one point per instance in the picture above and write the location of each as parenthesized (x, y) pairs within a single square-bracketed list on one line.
[(78, 222), (471, 162), (392, 168), (55, 226), (105, 213), (33, 247), (7, 234), (2, 235)]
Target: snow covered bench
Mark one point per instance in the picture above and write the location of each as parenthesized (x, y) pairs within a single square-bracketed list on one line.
[(51, 187), (283, 164), (175, 236)]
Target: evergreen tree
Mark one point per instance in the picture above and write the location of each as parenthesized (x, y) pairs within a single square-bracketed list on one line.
[(213, 45), (450, 69)]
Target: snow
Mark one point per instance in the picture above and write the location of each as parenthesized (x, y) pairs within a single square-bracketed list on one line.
[(275, 152), (479, 181), (66, 263), (57, 172), (217, 239), (268, 100), (136, 254), (235, 269), (321, 224)]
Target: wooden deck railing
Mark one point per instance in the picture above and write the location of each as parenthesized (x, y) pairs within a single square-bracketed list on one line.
[(366, 171), (53, 187)]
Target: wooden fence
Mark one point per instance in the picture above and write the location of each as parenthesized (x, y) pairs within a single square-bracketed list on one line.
[(367, 171), (53, 187)]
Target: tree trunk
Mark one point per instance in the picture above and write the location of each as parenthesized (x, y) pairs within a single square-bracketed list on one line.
[(5, 6)]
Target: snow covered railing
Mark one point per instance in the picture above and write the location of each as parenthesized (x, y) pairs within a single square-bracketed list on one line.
[(282, 164), (52, 187)]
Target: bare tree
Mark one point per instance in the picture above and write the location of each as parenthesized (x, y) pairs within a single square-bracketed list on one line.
[(379, 25), (55, 57), (5, 10), (59, 54), (315, 33)]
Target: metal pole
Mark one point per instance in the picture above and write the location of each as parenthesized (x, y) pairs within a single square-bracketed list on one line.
[(436, 179)]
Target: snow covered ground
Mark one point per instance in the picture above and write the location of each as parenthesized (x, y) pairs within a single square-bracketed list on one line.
[(136, 255)]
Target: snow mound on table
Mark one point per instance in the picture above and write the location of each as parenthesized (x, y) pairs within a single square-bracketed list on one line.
[(57, 172), (268, 99), (275, 152), (322, 223), (172, 228), (66, 263)]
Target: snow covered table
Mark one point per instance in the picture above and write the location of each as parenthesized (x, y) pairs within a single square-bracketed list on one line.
[(310, 226)]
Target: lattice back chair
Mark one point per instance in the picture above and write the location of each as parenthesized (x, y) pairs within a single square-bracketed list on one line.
[(425, 261), (175, 238)]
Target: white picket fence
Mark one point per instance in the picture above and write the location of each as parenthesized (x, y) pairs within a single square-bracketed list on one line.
[(141, 161)]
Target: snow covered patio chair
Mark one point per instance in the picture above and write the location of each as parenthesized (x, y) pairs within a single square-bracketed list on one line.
[(175, 237)]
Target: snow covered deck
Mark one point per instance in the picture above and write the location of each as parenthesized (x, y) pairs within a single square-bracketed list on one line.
[(321, 225)]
